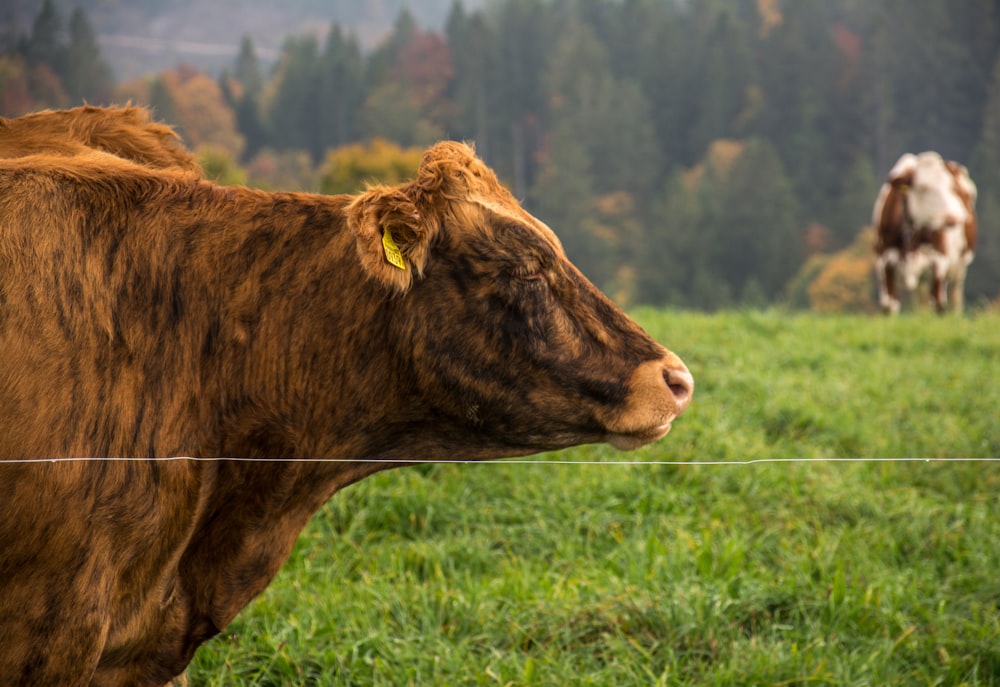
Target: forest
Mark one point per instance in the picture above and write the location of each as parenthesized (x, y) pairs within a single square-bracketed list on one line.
[(696, 154)]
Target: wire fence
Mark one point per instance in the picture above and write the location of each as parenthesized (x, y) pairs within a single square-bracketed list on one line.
[(506, 461)]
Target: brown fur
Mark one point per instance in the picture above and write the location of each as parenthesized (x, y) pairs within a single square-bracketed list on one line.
[(146, 313), (971, 227), (127, 132)]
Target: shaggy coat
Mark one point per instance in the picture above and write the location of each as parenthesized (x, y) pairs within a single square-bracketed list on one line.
[(126, 132), (147, 313)]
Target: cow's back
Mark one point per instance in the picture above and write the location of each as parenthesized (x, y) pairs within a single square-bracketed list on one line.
[(91, 294), (127, 132)]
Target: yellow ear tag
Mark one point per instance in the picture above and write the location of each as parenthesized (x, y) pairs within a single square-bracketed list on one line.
[(392, 253)]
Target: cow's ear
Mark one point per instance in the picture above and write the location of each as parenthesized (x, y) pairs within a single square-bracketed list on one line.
[(391, 236), (901, 181), (901, 175)]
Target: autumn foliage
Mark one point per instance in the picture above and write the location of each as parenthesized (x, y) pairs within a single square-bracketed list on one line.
[(193, 102), (845, 282), (349, 168), (699, 154)]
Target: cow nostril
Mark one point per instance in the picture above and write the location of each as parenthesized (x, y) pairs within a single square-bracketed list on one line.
[(681, 384)]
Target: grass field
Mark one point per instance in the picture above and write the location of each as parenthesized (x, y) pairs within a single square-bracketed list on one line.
[(789, 573)]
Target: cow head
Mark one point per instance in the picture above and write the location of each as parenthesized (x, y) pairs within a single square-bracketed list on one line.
[(934, 203), (511, 348)]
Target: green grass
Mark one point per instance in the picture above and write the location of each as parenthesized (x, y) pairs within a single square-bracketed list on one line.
[(800, 573)]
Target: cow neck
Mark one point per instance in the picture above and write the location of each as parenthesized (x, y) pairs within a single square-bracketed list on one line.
[(294, 308)]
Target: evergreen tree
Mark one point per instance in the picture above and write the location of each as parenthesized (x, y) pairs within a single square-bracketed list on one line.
[(723, 75), (985, 161), (854, 206), (293, 111), (247, 69), (468, 36), (392, 112), (798, 72), (341, 88), (610, 115), (87, 76), (386, 55), (162, 104), (758, 222), (674, 249), (246, 101), (938, 58), (522, 32), (983, 281), (561, 198), (45, 46), (588, 104), (649, 44), (10, 32)]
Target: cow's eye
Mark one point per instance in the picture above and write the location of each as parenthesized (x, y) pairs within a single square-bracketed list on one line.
[(530, 275)]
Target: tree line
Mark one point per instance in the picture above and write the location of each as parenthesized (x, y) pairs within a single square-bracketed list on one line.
[(697, 153)]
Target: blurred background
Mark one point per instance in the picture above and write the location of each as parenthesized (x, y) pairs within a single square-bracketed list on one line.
[(698, 154)]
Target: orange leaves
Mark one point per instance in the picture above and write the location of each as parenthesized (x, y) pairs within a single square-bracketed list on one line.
[(196, 107), (844, 284)]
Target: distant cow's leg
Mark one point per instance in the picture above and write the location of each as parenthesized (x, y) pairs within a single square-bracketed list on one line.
[(938, 293), (956, 285), (885, 273)]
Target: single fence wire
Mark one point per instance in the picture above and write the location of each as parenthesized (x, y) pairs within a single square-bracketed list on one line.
[(503, 461)]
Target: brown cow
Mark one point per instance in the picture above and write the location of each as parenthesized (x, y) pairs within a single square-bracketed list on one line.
[(147, 313), (126, 132)]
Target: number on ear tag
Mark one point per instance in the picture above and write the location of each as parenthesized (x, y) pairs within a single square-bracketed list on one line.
[(392, 253)]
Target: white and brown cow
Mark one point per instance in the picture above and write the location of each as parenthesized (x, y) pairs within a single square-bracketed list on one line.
[(145, 312), (925, 218)]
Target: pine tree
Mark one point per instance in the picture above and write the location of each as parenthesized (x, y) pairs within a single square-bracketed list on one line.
[(44, 45), (758, 222), (386, 55), (674, 246), (162, 104), (724, 75), (985, 161), (247, 69), (984, 273), (854, 206), (468, 36), (87, 76), (649, 44), (561, 197), (293, 111), (246, 103), (341, 88), (522, 33)]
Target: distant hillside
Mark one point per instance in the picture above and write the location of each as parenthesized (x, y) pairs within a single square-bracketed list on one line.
[(144, 36)]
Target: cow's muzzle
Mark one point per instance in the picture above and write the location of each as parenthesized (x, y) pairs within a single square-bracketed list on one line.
[(659, 391)]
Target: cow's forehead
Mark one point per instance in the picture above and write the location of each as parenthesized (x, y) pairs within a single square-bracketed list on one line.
[(453, 182), (932, 171), (498, 210)]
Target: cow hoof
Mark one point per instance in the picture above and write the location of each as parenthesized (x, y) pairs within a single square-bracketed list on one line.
[(891, 308)]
